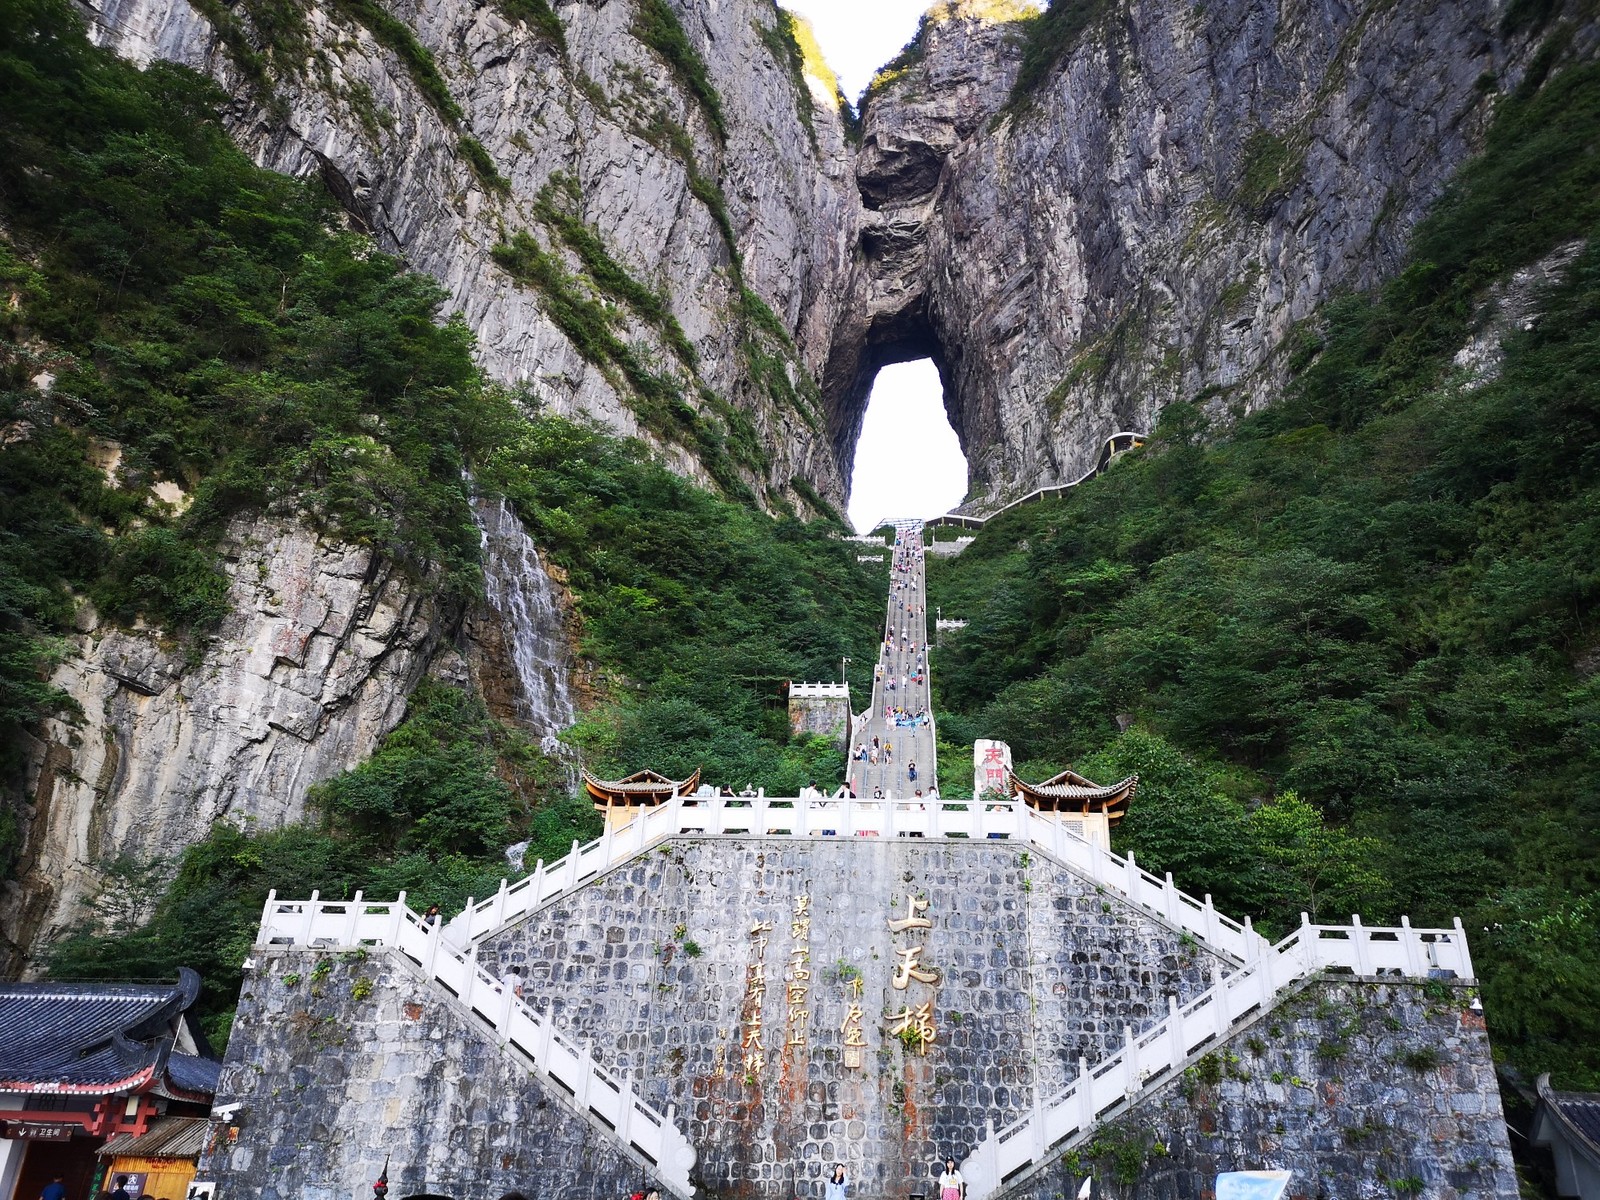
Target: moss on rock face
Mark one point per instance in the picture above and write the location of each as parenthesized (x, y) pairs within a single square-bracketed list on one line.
[(1269, 166), (658, 27)]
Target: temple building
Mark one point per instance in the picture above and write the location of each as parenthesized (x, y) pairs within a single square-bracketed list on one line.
[(99, 1080), (1089, 809), (1568, 1125), (619, 800)]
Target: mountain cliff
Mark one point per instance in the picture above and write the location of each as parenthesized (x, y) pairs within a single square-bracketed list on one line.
[(636, 213), (653, 214), (1154, 211)]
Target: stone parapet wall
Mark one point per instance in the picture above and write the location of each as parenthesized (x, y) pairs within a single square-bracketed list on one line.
[(343, 1061), (1037, 967), (1361, 1088), (829, 718)]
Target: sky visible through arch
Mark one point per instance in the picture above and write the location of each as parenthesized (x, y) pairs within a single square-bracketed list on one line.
[(908, 462)]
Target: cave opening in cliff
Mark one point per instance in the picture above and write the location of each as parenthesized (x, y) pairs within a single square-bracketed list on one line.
[(908, 460)]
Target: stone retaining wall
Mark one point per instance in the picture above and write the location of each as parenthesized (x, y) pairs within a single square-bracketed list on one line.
[(1036, 967), (1363, 1089), (343, 1061)]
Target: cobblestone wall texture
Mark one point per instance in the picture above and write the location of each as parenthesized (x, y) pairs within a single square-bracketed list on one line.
[(1362, 1089), (340, 1062), (654, 962)]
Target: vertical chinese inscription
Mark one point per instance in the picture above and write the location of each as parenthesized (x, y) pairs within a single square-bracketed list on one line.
[(913, 1024), (755, 995), (798, 982), (855, 1038)]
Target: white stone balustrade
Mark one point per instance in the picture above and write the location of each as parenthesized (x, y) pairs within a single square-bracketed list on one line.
[(651, 1136), (1113, 1085), (766, 816)]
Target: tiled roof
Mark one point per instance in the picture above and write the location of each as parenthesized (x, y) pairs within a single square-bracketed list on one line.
[(191, 1073), (1578, 1113), (1582, 1111), (168, 1137), (90, 1037), (641, 783)]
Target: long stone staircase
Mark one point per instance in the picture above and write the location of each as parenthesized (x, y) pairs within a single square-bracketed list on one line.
[(1259, 976)]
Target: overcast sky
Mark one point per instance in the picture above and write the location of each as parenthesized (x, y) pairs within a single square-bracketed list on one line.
[(859, 36), (908, 463)]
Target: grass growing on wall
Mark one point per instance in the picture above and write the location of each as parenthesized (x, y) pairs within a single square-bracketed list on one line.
[(540, 17), (1375, 596), (658, 27)]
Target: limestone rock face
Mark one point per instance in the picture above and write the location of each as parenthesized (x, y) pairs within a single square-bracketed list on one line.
[(608, 119), (310, 669), (1186, 186), (1189, 183)]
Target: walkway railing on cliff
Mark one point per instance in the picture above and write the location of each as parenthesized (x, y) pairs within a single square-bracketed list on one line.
[(1118, 443), (1158, 1055), (765, 816), (651, 1136)]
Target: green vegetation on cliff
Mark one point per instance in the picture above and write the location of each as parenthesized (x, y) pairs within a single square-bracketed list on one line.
[(1376, 596), (201, 324), (208, 324), (428, 815)]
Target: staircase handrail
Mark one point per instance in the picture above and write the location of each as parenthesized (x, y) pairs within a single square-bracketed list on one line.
[(1154, 1057), (589, 1087), (770, 816)]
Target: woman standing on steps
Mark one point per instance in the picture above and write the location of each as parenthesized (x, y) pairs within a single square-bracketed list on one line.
[(951, 1185)]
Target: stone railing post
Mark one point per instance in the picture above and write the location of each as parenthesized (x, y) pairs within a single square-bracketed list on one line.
[(1130, 1054), (435, 936), (1085, 1097), (264, 930), (572, 867), (1176, 1050), (1462, 949), (1359, 941), (500, 904), (352, 927), (310, 922), (585, 1075), (508, 1001)]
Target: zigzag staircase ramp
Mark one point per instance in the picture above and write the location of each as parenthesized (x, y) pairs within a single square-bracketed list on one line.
[(762, 815), (648, 1136), (1160, 1054)]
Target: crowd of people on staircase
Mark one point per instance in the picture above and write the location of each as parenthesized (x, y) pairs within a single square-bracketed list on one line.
[(900, 683)]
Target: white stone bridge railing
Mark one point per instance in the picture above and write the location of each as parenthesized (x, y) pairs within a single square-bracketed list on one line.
[(651, 1137), (1155, 1057), (765, 816)]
